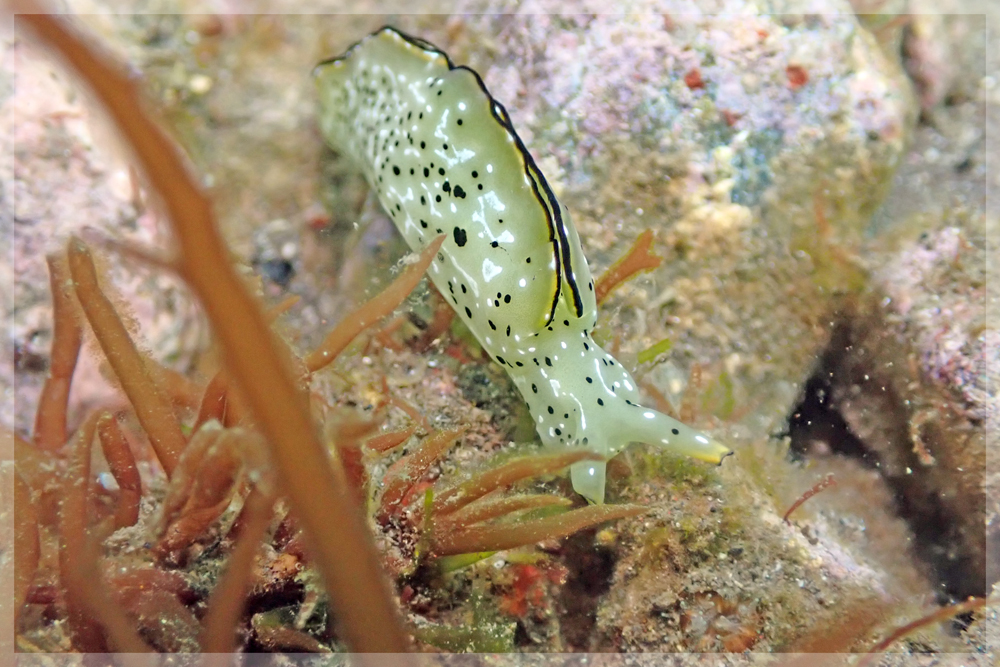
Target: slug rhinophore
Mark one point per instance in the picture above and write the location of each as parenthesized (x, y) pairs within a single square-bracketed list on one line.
[(443, 157)]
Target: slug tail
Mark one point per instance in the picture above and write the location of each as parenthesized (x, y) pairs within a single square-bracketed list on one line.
[(656, 428)]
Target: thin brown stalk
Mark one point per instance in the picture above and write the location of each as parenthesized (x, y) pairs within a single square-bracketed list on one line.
[(348, 433), (504, 476), (824, 483), (152, 407), (137, 252), (383, 442), (26, 546), (334, 525), (281, 639), (373, 310), (637, 259), (213, 403), (408, 470), (225, 606), (410, 409), (488, 508), (40, 471), (854, 622), (942, 614), (689, 403), (349, 428), (122, 464), (509, 536), (73, 524), (384, 334), (118, 628), (282, 307), (440, 323), (183, 392), (50, 420)]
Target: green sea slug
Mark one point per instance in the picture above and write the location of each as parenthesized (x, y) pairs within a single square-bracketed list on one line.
[(444, 158)]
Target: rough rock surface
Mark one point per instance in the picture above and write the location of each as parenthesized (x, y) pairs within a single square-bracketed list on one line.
[(758, 148)]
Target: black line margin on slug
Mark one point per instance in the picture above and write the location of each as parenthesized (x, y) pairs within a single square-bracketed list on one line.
[(550, 205)]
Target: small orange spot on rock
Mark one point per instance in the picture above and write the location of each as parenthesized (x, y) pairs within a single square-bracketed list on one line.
[(693, 79), (797, 76)]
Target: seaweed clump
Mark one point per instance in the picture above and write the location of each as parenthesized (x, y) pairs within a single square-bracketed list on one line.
[(245, 442)]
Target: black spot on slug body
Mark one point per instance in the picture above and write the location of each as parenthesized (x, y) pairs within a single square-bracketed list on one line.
[(460, 237)]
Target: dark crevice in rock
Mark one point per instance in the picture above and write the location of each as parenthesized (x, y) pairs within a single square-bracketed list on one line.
[(862, 403)]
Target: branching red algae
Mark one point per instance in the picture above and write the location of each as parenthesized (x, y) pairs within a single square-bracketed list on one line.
[(345, 555), (638, 258), (50, 419), (152, 407), (122, 465)]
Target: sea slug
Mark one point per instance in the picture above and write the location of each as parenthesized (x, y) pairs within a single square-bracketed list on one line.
[(444, 158)]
